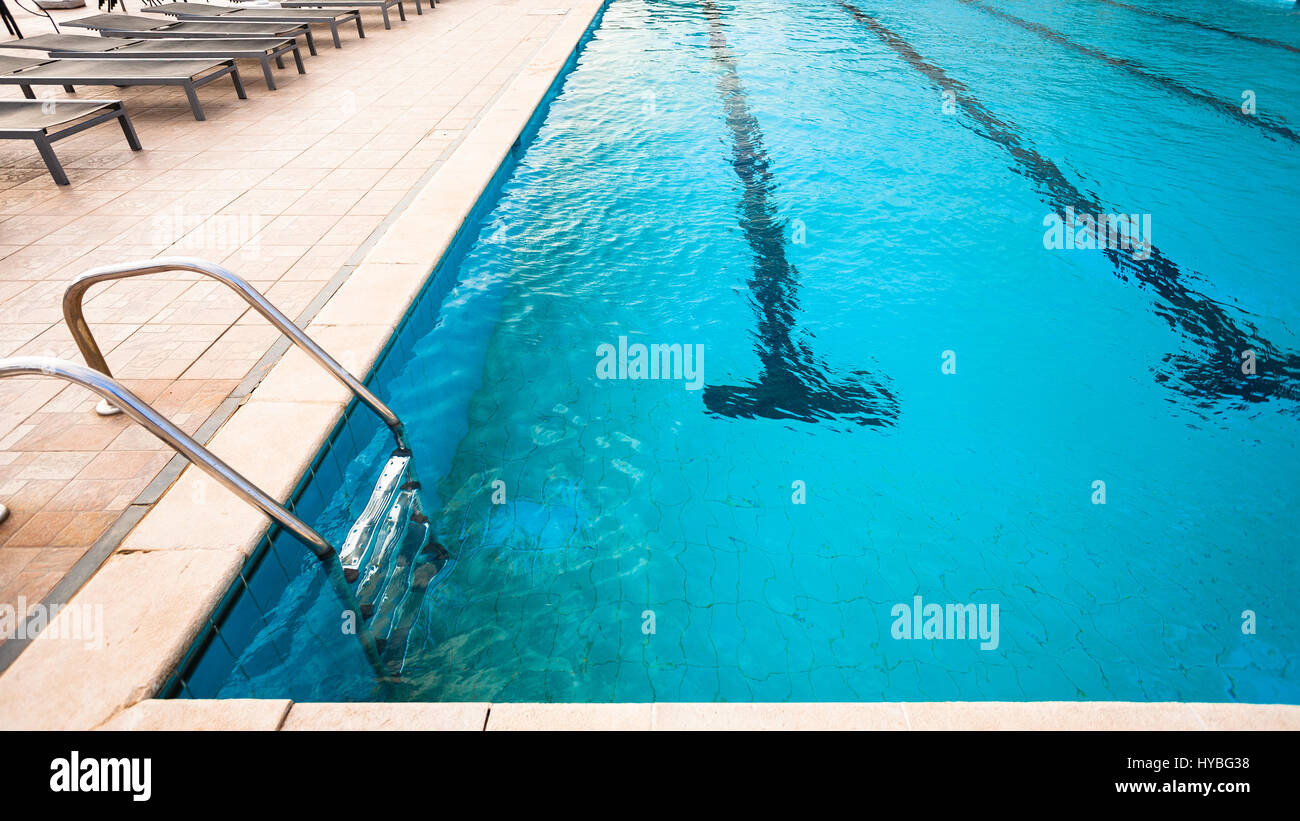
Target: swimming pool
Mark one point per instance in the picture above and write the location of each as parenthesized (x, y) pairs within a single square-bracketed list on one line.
[(901, 378)]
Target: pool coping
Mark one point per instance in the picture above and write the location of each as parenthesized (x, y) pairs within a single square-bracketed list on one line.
[(282, 714), (157, 591)]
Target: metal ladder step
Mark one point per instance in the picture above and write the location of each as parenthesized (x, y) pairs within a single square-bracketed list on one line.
[(391, 557)]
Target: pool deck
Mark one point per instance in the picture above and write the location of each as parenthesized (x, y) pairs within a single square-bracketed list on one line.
[(289, 189), (356, 178)]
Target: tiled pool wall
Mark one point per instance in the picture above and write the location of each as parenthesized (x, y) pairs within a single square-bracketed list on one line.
[(335, 489)]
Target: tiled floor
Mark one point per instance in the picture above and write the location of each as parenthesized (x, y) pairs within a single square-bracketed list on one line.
[(283, 188)]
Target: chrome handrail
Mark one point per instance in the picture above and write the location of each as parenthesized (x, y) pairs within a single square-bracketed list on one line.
[(76, 320), (202, 458), (177, 439)]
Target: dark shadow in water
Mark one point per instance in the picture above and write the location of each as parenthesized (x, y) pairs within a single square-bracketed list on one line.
[(1174, 18), (1273, 125), (1214, 372), (793, 384)]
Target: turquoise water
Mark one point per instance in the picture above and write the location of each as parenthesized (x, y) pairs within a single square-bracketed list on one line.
[(904, 392)]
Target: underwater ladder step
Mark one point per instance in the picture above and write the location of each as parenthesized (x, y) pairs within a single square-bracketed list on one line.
[(389, 554)]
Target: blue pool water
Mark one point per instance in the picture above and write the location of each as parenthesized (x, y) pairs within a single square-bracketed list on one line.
[(904, 393)]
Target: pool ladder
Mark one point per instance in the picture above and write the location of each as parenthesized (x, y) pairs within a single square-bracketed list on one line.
[(387, 552)]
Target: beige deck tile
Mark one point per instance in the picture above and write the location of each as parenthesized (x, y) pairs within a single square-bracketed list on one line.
[(68, 683), (1051, 715), (296, 375), (262, 261), (229, 522), (439, 716), (15, 559), (351, 231), (85, 495), (69, 432), (291, 296), (83, 530), (206, 302), (375, 292), (123, 464), (1249, 716), (238, 350), (571, 717), (201, 714), (56, 464), (319, 264), (296, 229), (810, 716), (186, 402), (263, 201), (38, 531), (324, 203)]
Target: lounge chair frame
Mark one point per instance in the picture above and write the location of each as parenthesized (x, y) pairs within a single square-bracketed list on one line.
[(190, 84), (382, 5), (167, 30), (45, 136), (343, 15), (277, 54)]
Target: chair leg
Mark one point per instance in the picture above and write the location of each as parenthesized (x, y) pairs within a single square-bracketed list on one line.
[(311, 42), (279, 60), (401, 10), (334, 30), (384, 10), (361, 30), (297, 59), (195, 106), (51, 161), (239, 84), (266, 72), (70, 89), (28, 93), (129, 130)]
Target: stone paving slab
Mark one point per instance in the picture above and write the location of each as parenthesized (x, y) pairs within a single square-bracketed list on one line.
[(893, 716), (116, 643), (440, 716), (194, 714)]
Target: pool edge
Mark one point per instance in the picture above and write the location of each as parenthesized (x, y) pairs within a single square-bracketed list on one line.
[(280, 714)]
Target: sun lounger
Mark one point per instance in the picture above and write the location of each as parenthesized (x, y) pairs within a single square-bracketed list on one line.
[(382, 5), (132, 25), (96, 71), (331, 17), (46, 121), (80, 45)]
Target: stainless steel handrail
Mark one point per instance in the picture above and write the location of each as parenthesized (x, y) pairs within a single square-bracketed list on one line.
[(177, 439), (202, 458), (76, 320)]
